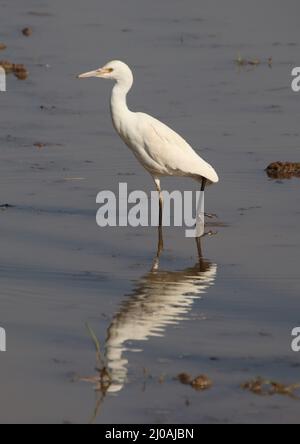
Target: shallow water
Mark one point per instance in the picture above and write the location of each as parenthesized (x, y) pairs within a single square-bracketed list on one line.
[(229, 317)]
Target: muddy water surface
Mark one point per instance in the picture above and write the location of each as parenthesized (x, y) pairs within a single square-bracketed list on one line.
[(229, 317)]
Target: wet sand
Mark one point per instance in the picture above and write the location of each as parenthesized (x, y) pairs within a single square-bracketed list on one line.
[(230, 319)]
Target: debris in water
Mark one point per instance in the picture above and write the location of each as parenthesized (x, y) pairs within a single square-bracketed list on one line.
[(283, 170), (20, 72), (263, 387), (245, 62), (27, 32), (161, 379), (103, 379), (254, 62), (240, 61), (39, 145), (200, 383), (47, 108), (185, 378)]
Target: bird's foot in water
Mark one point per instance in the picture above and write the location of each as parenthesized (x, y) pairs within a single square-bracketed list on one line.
[(155, 265), (160, 249)]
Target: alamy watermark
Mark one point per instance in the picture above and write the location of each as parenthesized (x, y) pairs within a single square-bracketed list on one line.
[(2, 79), (296, 341), (138, 209), (2, 340), (296, 80)]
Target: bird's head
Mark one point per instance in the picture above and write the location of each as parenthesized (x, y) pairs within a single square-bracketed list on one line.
[(114, 70)]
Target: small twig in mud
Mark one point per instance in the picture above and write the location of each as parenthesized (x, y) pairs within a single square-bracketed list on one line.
[(263, 387)]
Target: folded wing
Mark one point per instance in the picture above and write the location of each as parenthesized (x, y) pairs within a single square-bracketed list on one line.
[(171, 152)]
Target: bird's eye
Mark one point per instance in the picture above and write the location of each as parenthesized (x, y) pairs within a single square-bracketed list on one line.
[(110, 70)]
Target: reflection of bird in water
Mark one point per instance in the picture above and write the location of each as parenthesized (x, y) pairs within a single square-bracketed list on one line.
[(160, 299)]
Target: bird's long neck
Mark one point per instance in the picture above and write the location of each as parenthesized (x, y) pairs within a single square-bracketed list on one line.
[(118, 106)]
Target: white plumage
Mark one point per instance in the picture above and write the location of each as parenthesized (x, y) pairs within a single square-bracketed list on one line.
[(165, 153)]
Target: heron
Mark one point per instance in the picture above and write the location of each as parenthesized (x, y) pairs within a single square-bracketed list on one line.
[(159, 149)]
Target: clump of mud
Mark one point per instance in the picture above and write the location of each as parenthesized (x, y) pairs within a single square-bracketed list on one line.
[(283, 170), (27, 32), (200, 383), (19, 70), (263, 387)]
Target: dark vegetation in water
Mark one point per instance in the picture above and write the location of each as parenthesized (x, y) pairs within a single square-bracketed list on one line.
[(102, 380)]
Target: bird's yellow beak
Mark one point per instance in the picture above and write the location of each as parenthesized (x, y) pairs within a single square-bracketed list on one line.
[(97, 73)]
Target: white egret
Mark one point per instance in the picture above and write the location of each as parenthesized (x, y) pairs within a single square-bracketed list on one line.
[(160, 150)]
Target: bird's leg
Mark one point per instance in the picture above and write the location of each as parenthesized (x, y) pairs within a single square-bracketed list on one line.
[(203, 265), (160, 228), (160, 241), (209, 216), (198, 239), (161, 205), (160, 246), (199, 248)]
